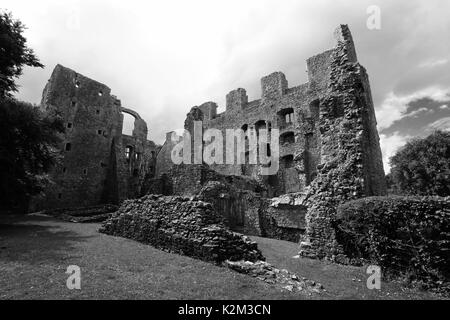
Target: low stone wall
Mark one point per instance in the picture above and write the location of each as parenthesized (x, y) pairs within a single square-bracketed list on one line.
[(239, 200), (180, 225), (284, 218), (249, 213)]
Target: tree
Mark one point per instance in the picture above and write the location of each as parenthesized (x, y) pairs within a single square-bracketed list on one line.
[(422, 166), (28, 137), (28, 149), (14, 53)]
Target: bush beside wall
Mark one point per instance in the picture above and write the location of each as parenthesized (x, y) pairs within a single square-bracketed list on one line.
[(403, 235)]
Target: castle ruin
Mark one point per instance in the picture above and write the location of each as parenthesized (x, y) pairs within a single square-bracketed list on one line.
[(100, 165), (329, 150)]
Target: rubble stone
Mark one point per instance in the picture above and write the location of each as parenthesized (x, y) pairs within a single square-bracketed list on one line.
[(180, 225)]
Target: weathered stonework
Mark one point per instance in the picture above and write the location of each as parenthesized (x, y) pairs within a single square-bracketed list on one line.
[(99, 164), (181, 225), (329, 146), (351, 166), (329, 151)]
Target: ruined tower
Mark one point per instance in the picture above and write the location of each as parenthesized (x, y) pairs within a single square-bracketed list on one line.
[(299, 113), (99, 165), (328, 140)]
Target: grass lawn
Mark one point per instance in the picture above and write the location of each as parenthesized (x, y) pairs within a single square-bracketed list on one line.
[(35, 252)]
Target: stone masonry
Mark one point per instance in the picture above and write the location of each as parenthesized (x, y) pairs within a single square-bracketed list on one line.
[(329, 145), (328, 139), (100, 165), (181, 225)]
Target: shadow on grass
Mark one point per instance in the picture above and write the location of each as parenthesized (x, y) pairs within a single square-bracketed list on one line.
[(36, 240)]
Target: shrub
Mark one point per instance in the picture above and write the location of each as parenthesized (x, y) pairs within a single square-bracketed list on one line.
[(403, 235), (422, 166), (28, 150)]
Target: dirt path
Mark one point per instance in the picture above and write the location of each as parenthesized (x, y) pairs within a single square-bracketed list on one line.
[(36, 251)]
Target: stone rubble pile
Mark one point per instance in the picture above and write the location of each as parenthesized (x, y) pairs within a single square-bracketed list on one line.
[(282, 278), (180, 225)]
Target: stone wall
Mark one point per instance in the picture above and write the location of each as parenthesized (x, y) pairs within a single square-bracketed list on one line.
[(240, 200), (295, 112), (351, 164), (180, 225), (99, 165), (284, 219), (329, 145)]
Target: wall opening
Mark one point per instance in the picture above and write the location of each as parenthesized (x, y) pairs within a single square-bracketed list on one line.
[(261, 124), (287, 138), (128, 124), (285, 117), (68, 146), (287, 161), (128, 152), (69, 125), (314, 109)]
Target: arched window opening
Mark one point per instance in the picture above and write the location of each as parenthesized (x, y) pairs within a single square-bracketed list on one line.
[(128, 124), (287, 161), (261, 124), (287, 138), (285, 117)]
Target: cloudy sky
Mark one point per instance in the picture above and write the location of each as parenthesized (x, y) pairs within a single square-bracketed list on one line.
[(163, 57)]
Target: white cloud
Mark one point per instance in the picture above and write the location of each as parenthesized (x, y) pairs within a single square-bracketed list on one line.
[(433, 63), (161, 57), (441, 124), (416, 113), (444, 107), (394, 106), (389, 146)]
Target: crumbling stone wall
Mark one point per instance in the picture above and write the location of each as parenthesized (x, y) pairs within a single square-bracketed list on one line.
[(97, 167), (351, 165), (181, 225), (240, 200), (329, 144), (284, 219), (296, 112)]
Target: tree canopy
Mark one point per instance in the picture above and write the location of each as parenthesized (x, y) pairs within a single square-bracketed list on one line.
[(422, 166), (28, 149), (28, 137), (14, 53)]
